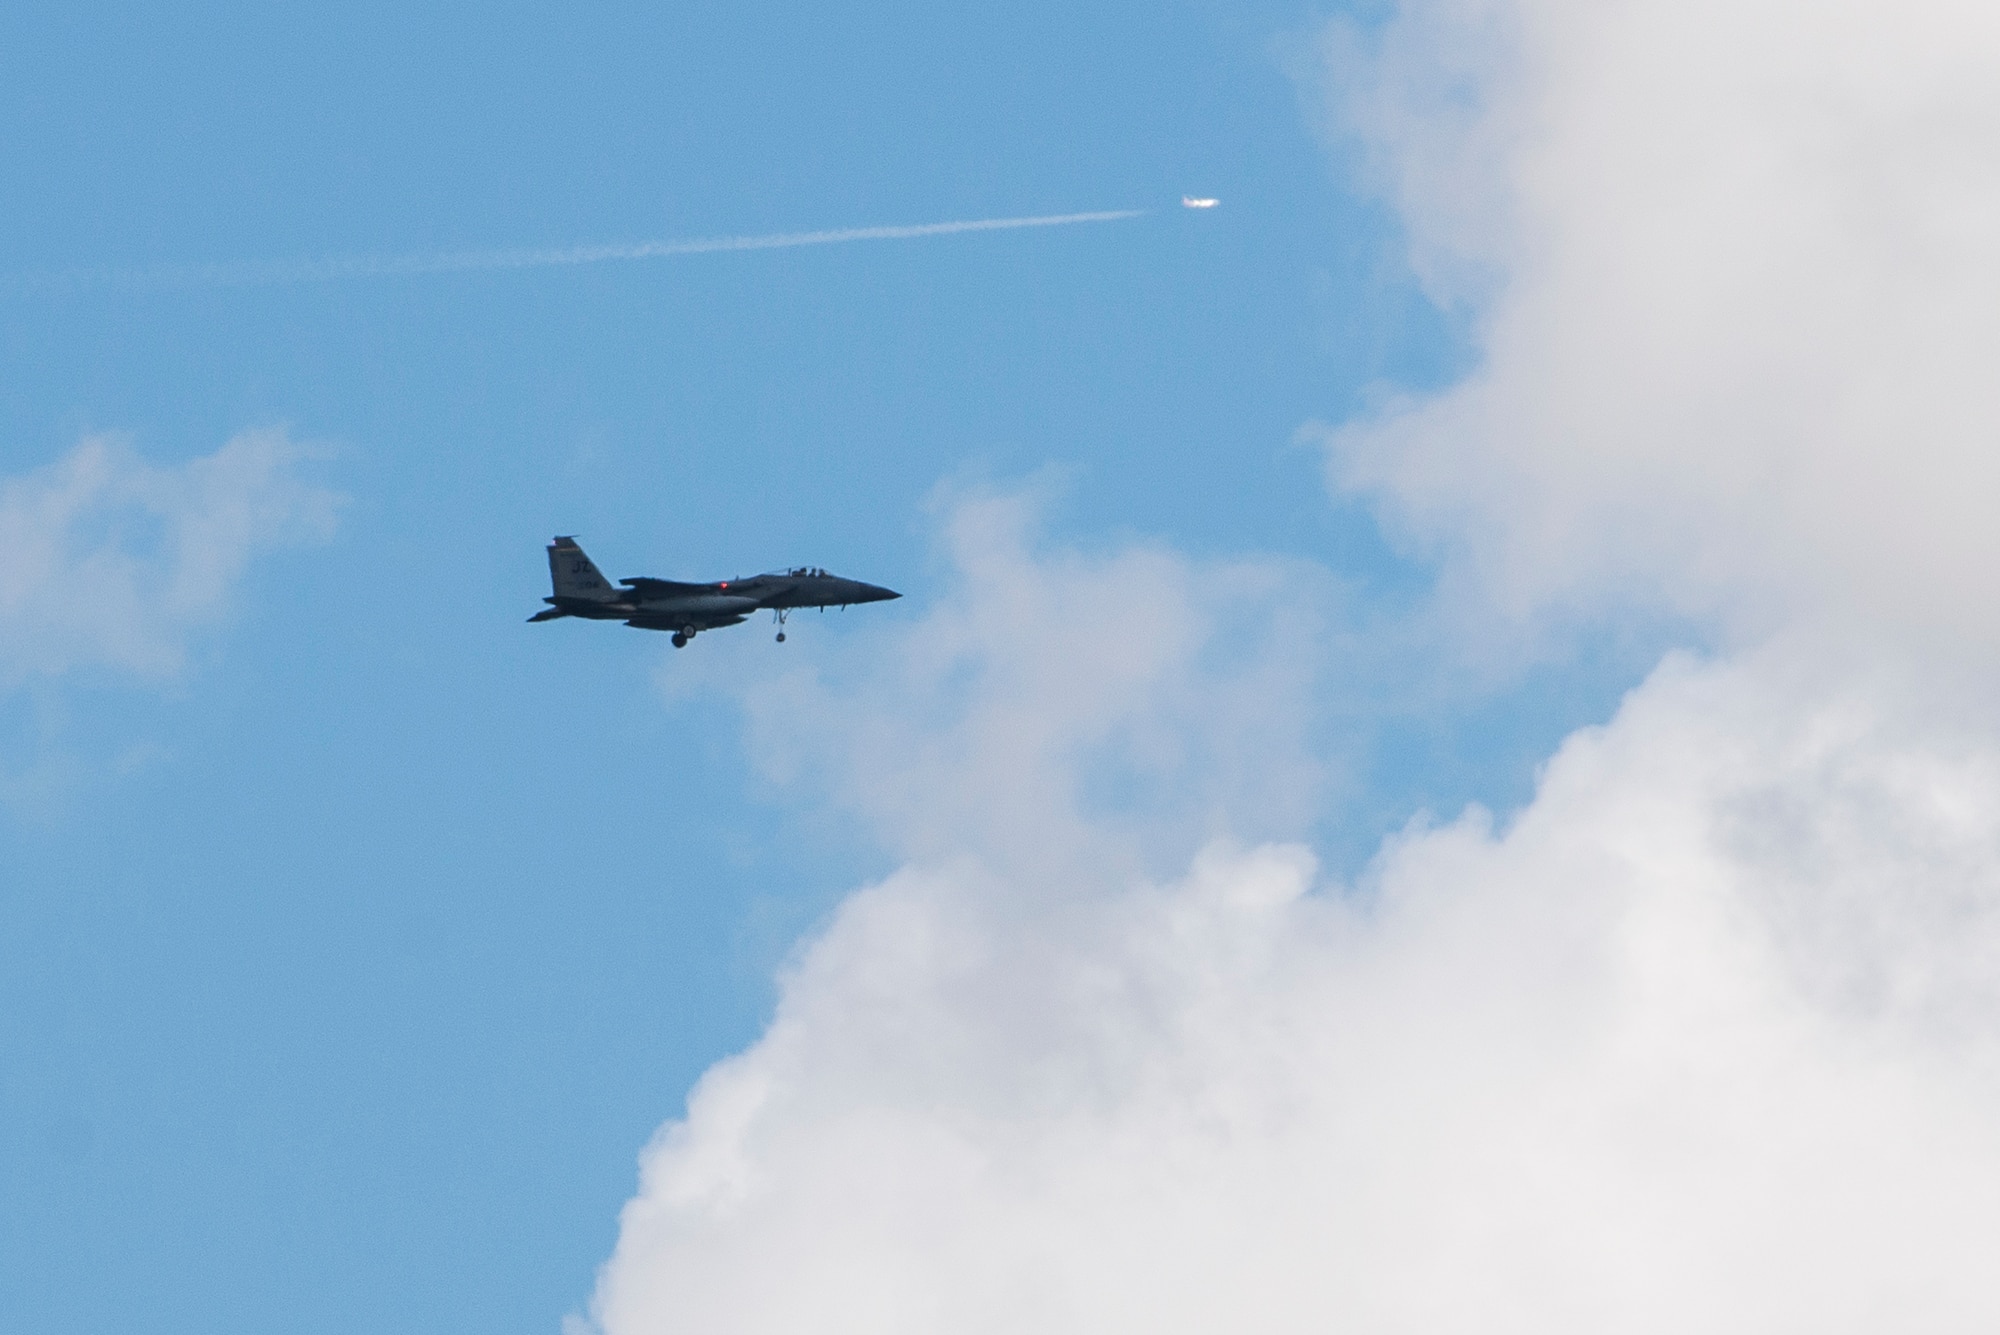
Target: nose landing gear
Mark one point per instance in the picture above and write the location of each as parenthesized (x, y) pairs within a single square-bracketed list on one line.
[(781, 613)]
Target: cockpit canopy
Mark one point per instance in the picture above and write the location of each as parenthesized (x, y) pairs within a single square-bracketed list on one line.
[(798, 572)]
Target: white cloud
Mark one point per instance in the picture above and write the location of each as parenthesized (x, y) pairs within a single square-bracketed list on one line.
[(1707, 1036), (1735, 278), (1054, 696), (1706, 1039), (112, 562)]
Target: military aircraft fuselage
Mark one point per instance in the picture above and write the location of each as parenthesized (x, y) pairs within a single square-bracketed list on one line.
[(726, 601), (686, 609)]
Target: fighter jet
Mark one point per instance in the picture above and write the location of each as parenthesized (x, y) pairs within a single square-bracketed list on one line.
[(688, 609)]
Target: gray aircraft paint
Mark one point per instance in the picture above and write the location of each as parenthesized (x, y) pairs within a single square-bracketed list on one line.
[(581, 590)]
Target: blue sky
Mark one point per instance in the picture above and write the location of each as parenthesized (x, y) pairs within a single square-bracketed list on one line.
[(344, 973)]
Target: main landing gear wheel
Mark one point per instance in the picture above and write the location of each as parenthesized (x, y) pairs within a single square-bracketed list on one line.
[(680, 640)]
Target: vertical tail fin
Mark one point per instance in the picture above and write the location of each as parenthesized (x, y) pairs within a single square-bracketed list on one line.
[(576, 575)]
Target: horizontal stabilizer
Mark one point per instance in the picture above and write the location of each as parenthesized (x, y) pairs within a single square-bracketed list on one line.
[(548, 614)]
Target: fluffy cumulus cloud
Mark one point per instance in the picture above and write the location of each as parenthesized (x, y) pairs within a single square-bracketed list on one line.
[(1062, 706), (1731, 270), (112, 562), (1705, 1040), (1707, 1036)]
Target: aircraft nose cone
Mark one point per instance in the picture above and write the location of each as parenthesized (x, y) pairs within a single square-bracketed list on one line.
[(875, 593)]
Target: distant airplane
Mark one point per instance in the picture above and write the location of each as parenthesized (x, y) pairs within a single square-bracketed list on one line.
[(1190, 202), (687, 609)]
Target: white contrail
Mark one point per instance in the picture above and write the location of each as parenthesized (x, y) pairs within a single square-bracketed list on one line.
[(375, 266)]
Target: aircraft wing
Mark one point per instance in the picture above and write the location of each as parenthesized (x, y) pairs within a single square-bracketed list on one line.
[(664, 588)]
